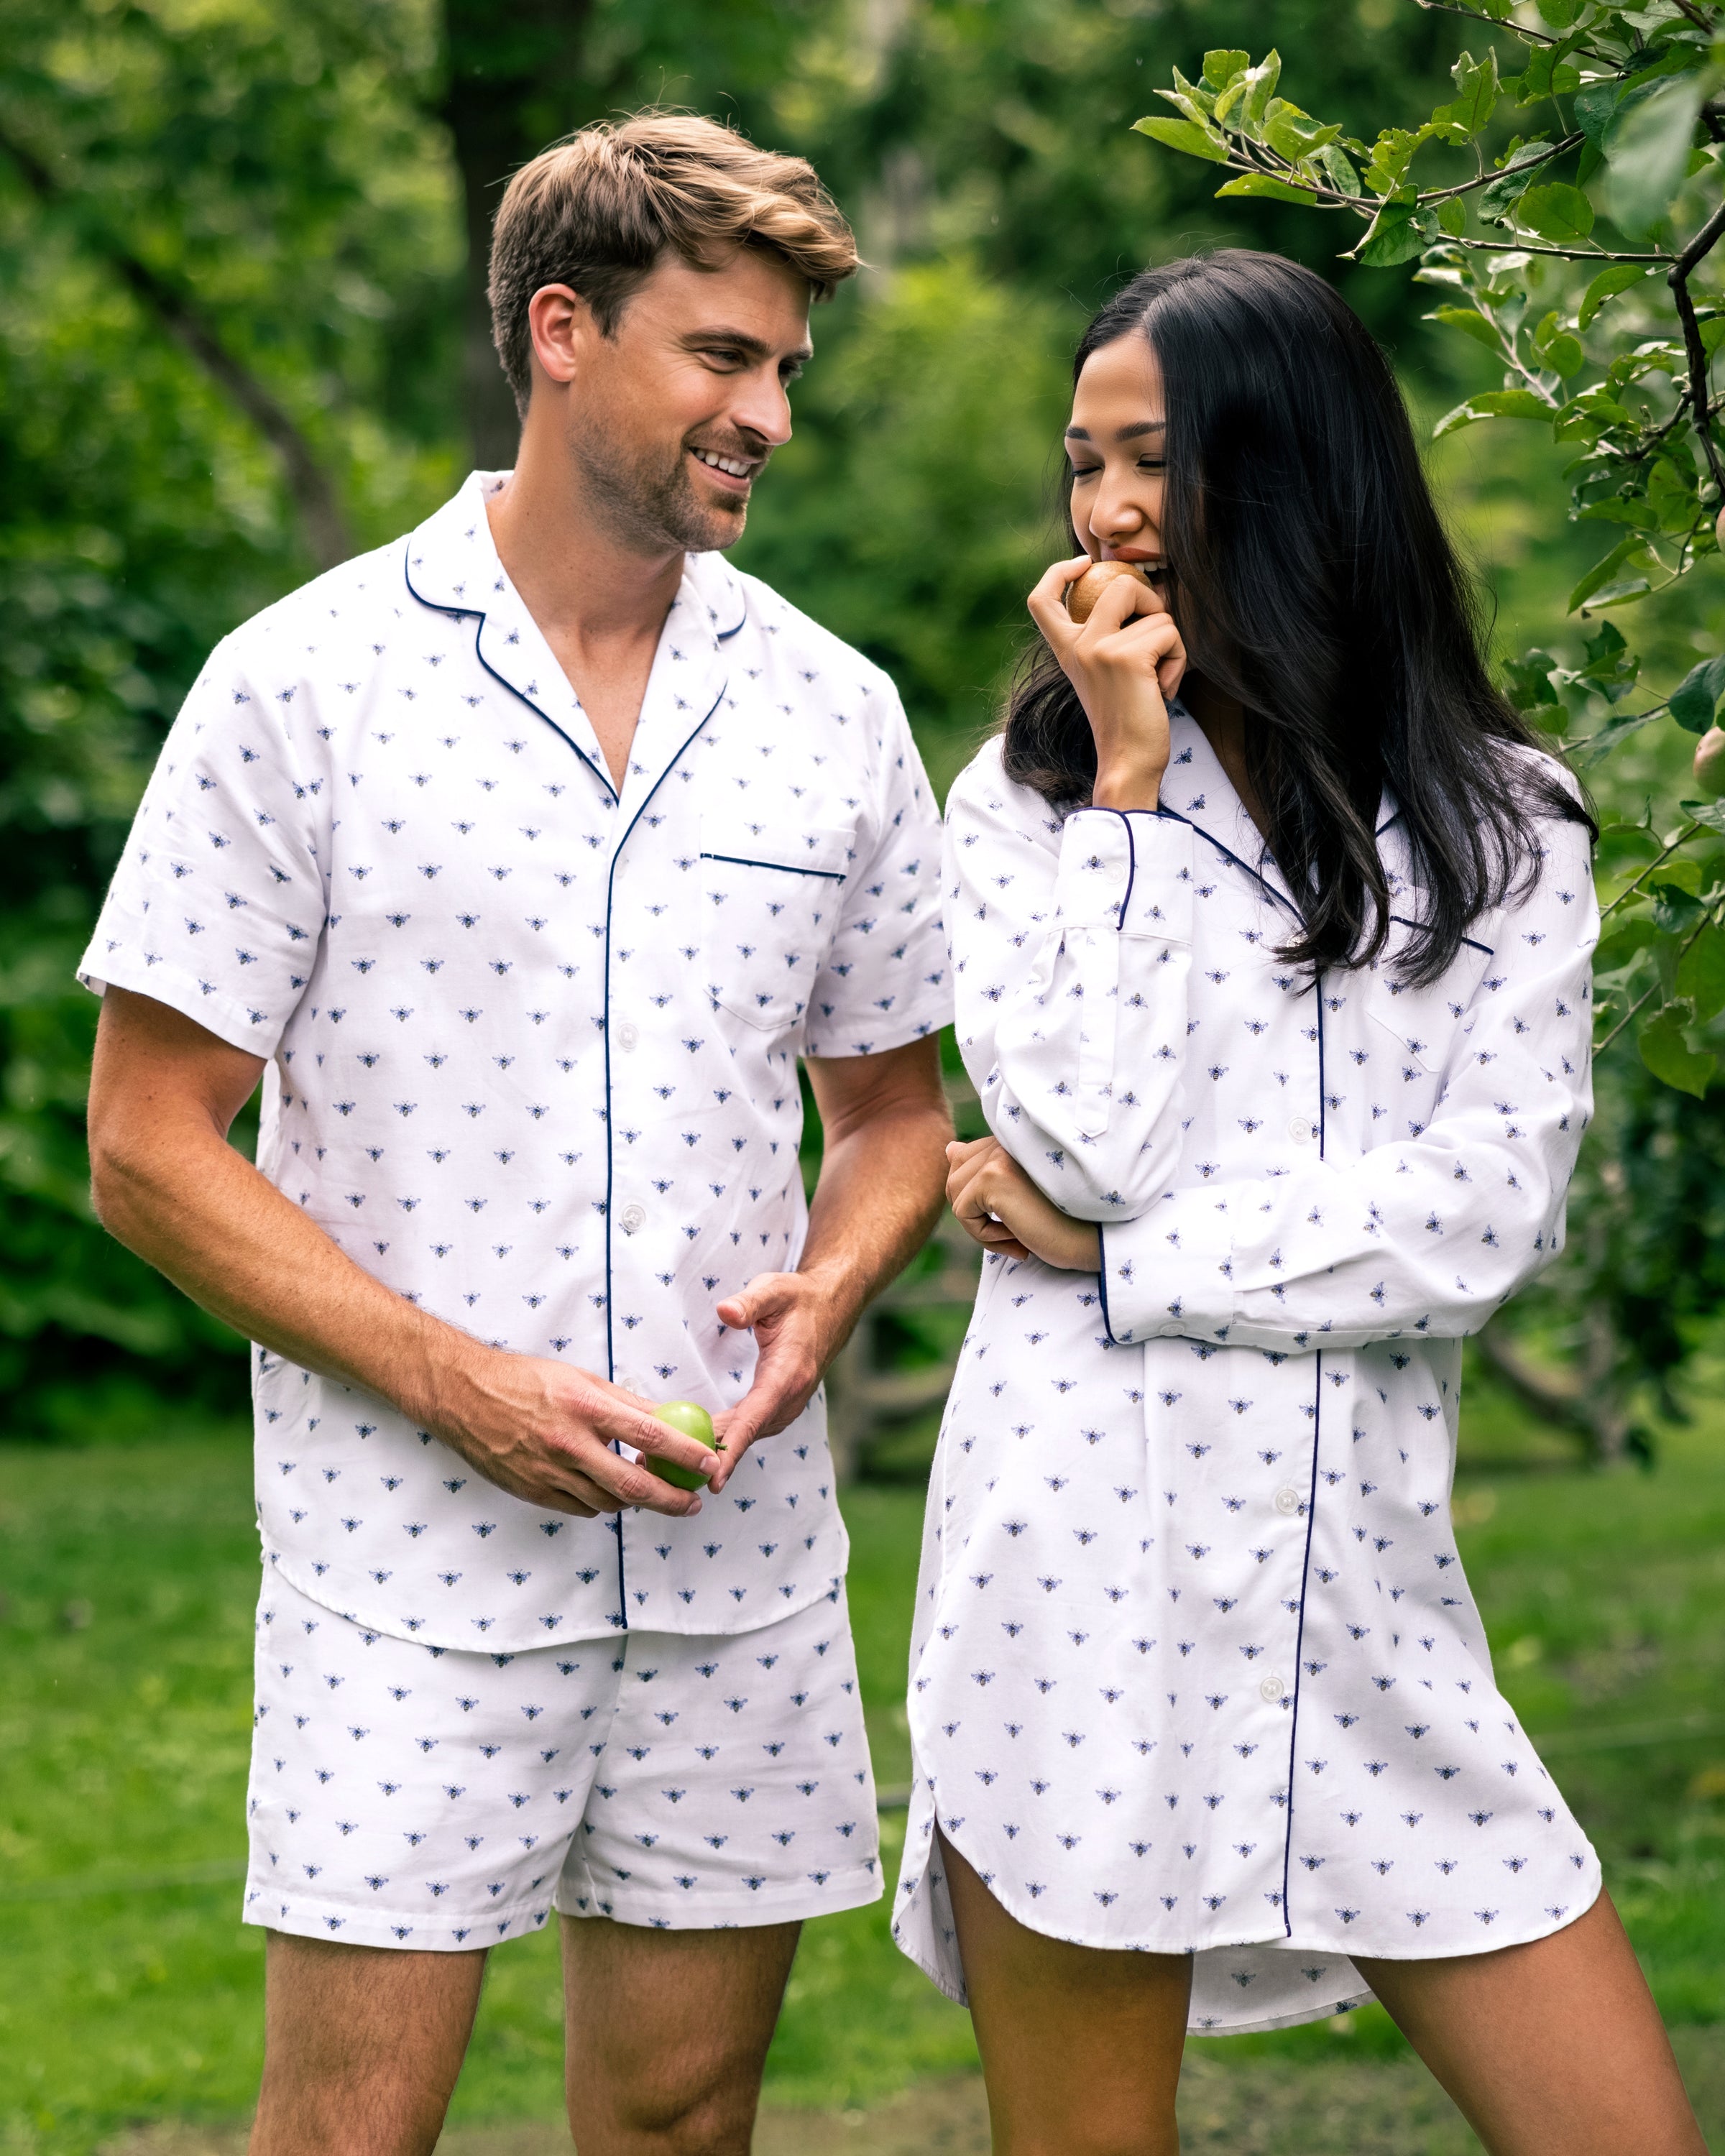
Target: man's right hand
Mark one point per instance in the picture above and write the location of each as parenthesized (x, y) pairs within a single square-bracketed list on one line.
[(543, 1431), (167, 1184)]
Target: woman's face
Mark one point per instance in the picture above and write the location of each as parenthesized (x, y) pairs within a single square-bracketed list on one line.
[(1115, 444)]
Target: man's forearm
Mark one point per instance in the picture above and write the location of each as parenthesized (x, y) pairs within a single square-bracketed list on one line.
[(189, 1204), (880, 1191), (169, 1185)]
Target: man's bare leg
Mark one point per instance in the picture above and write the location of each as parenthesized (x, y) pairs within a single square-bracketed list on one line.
[(361, 2046), (1551, 2049), (666, 2034)]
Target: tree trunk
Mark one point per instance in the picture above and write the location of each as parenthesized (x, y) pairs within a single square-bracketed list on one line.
[(1590, 1404), (515, 84)]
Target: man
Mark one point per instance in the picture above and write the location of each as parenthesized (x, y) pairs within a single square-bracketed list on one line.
[(522, 860)]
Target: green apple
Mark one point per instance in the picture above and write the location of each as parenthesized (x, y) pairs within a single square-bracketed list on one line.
[(692, 1421)]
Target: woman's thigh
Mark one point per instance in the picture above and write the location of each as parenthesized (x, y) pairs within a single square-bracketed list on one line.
[(1080, 2047), (1551, 2049)]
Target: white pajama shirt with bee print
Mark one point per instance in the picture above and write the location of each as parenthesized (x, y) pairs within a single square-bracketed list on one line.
[(1195, 1668), (531, 1043)]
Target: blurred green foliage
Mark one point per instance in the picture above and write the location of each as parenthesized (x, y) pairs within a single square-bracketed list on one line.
[(237, 310)]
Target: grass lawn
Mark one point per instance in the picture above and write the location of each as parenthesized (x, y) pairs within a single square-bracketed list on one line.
[(129, 1991)]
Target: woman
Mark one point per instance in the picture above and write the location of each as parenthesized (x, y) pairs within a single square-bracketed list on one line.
[(1277, 1001)]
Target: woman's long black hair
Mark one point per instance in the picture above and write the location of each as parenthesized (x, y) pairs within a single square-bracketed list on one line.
[(1313, 580)]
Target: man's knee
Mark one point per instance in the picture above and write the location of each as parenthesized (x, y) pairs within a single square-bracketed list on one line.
[(682, 2101)]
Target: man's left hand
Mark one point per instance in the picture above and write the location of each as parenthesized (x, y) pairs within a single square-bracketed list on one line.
[(799, 1327)]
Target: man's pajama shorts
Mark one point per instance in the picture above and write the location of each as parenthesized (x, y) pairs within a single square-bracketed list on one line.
[(420, 1797)]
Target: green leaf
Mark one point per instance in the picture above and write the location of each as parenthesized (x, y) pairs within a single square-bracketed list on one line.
[(1192, 97), (1294, 134), (1492, 404), (1611, 666), (1623, 944), (1475, 96), (1557, 212), (1594, 107), (1337, 168), (1400, 232), (1221, 66), (1471, 322), (1601, 573), (1564, 357), (1670, 1057), (1560, 13), (1512, 404), (1607, 285), (1182, 134), (1696, 697), (1452, 216), (1262, 185), (1701, 973), (1620, 592), (1710, 813), (1263, 80), (1683, 873), (1647, 153), (1528, 678), (1548, 75)]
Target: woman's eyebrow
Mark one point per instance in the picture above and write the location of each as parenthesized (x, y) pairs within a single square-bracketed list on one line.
[(1122, 433)]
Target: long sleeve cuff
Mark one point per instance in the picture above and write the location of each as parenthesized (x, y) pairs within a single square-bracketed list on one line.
[(1126, 869), (1171, 1269)]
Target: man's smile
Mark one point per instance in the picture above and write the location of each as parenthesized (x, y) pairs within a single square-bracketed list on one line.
[(738, 471)]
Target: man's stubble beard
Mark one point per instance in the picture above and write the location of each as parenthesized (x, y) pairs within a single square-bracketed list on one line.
[(646, 500)]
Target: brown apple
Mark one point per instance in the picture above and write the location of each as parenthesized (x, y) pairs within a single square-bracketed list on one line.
[(1081, 597)]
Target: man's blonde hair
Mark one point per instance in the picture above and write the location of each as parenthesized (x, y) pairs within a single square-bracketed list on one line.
[(598, 212)]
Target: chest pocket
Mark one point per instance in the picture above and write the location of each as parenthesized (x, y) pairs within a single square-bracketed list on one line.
[(770, 897)]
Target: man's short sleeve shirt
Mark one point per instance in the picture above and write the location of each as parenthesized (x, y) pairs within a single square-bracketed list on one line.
[(530, 1042)]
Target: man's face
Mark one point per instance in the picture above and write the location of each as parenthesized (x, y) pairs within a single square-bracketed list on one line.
[(671, 417)]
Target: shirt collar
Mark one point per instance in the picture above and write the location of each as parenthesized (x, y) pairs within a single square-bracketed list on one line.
[(452, 564), (1197, 789)]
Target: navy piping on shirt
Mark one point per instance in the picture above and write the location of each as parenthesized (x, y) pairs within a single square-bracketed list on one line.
[(478, 614), (785, 868), (1472, 943), (671, 763), (723, 636), (1317, 1417), (1281, 898)]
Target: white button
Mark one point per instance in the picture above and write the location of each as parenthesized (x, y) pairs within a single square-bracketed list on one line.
[(627, 1034), (1117, 874), (1302, 1130), (1272, 1688), (1287, 1500), (635, 1216)]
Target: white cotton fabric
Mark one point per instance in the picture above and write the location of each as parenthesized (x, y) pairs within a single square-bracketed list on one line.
[(532, 1048), (1195, 1668), (418, 1797)]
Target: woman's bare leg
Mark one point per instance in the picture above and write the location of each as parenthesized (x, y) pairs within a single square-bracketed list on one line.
[(1551, 2049), (1080, 2047)]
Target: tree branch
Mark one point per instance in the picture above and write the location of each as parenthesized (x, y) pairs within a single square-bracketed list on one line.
[(1700, 396), (321, 517)]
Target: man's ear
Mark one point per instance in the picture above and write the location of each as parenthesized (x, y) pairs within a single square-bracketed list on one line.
[(561, 323)]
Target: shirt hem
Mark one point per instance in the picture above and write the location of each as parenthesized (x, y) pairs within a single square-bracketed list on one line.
[(327, 1593), (256, 1034)]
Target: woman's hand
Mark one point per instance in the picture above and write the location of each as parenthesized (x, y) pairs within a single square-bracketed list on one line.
[(999, 1206), (1124, 661)]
